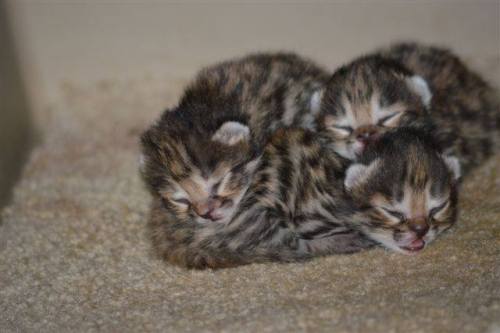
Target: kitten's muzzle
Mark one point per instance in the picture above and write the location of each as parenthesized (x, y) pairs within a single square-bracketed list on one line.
[(366, 134), (415, 246), (209, 209), (419, 226)]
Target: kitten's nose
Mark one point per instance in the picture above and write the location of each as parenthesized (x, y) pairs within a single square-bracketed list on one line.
[(206, 209), (365, 133), (210, 216), (418, 226)]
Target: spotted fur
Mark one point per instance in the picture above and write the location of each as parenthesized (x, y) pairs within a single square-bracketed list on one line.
[(407, 188), (297, 208), (198, 158), (465, 108), (412, 85), (367, 97)]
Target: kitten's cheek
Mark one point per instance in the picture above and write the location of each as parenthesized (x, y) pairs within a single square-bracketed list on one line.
[(225, 214), (431, 235)]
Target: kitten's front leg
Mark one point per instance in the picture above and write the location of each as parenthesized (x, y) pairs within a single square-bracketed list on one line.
[(341, 242)]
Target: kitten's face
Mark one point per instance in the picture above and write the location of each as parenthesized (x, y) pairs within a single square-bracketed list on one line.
[(408, 193), (365, 99), (200, 180), (211, 198)]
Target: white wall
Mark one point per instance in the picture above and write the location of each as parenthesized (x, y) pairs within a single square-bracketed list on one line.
[(85, 41)]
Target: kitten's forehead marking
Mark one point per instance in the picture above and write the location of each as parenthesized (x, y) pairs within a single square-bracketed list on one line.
[(355, 115), (417, 202), (200, 188), (196, 187), (413, 203)]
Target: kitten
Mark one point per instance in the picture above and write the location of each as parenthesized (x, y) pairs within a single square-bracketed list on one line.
[(199, 172), (263, 91), (411, 84), (302, 203), (199, 157), (406, 188), (367, 97), (465, 108)]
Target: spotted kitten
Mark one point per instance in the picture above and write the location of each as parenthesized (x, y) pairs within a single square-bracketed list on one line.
[(406, 188), (411, 84), (301, 203), (368, 97), (199, 157), (465, 108)]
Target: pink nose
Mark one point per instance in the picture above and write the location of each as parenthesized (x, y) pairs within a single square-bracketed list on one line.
[(419, 226), (210, 216), (206, 209), (365, 134)]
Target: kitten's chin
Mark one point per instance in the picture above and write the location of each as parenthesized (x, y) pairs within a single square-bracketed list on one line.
[(350, 151), (414, 247), (408, 246)]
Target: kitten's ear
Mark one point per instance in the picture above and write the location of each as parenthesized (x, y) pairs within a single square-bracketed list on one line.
[(453, 165), (419, 86), (315, 103), (357, 173), (232, 132)]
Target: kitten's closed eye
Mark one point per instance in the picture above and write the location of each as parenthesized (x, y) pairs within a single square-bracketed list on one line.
[(398, 215), (388, 120), (182, 201), (434, 211), (342, 130)]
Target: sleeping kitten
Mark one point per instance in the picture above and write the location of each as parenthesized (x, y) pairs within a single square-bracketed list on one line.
[(368, 97), (198, 158), (406, 188), (410, 84), (465, 108), (197, 171), (301, 203)]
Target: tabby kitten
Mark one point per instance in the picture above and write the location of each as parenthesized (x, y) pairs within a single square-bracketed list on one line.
[(406, 188), (368, 97), (465, 108), (301, 203), (411, 84), (199, 157)]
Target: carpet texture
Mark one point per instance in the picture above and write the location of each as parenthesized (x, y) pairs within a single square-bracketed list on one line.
[(74, 252)]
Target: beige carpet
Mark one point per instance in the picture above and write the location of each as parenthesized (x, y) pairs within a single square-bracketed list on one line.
[(74, 255)]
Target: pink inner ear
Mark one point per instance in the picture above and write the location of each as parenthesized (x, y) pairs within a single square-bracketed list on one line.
[(231, 132), (419, 86)]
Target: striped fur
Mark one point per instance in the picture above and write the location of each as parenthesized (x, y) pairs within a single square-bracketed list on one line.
[(465, 108), (186, 162), (297, 208), (412, 85)]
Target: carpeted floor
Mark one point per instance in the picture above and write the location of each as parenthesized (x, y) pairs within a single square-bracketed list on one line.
[(74, 255)]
